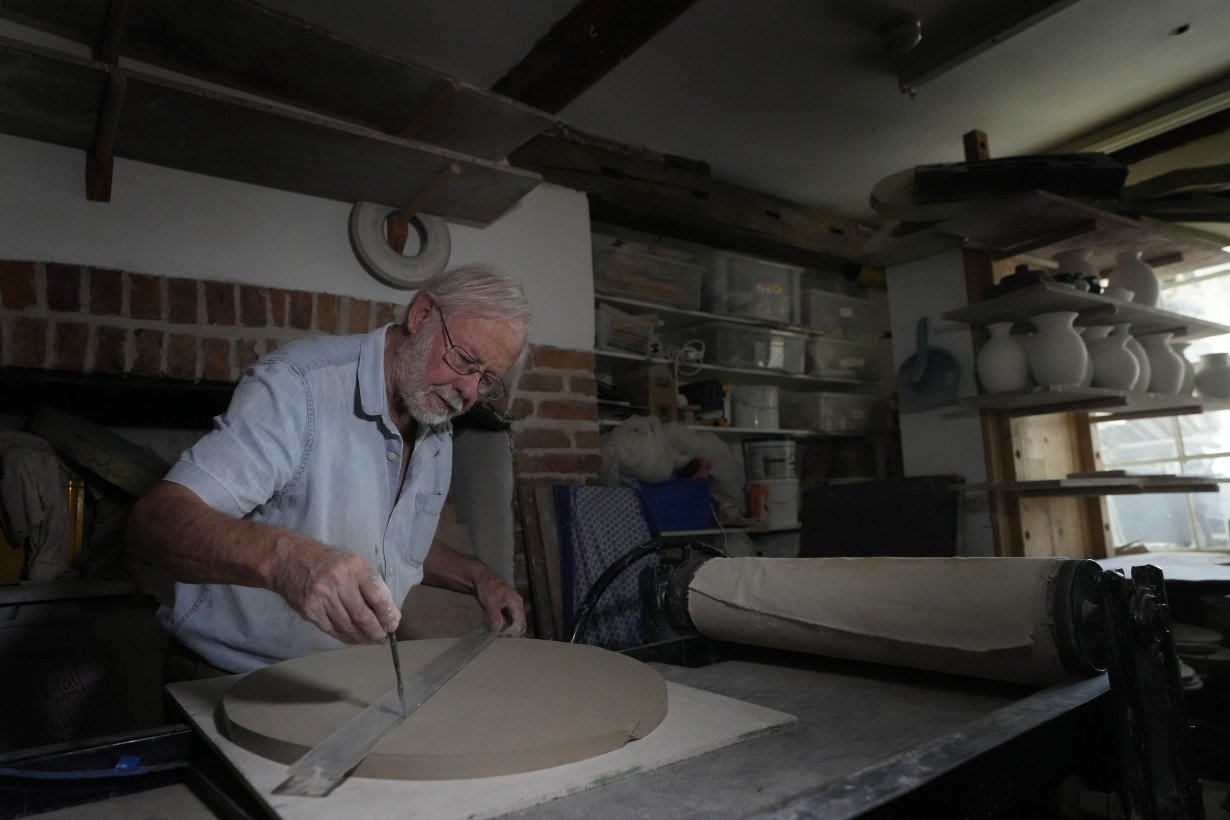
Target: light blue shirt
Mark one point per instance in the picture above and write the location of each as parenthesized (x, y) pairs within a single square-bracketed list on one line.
[(307, 444)]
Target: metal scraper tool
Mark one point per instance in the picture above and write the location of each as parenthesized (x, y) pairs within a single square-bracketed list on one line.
[(401, 687), (319, 771)]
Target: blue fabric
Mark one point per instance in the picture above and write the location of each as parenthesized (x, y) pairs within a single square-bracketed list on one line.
[(307, 444), (596, 527)]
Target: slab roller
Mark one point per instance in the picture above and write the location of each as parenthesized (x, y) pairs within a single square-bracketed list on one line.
[(1023, 620), (521, 705)]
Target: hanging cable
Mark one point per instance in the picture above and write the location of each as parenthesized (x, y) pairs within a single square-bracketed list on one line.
[(608, 576)]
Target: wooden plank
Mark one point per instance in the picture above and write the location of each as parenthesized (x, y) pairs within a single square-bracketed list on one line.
[(245, 45), (180, 126), (545, 499), (543, 602), (589, 41), (1033, 222), (1118, 404), (1094, 309), (644, 191)]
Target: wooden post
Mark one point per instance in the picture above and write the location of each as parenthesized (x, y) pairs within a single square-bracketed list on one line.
[(100, 161), (440, 95), (107, 49), (397, 227)]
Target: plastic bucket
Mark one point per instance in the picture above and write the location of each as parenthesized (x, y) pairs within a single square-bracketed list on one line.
[(769, 458), (781, 501), (755, 406)]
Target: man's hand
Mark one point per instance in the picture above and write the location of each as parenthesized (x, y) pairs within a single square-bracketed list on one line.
[(339, 592), (502, 604)]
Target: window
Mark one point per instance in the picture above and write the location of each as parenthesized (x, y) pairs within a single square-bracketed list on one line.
[(1197, 444)]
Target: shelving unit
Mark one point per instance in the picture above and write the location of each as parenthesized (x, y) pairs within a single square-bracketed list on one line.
[(379, 129), (1034, 434)]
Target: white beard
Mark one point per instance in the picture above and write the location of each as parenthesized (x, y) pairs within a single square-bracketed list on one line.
[(421, 397)]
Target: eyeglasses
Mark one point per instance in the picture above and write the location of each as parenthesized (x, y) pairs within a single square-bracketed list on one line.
[(464, 364)]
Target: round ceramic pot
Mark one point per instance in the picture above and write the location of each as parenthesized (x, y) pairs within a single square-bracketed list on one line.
[(1165, 366), (1213, 375), (1057, 356), (1002, 364), (1189, 370), (1114, 366), (1131, 272), (1144, 373)]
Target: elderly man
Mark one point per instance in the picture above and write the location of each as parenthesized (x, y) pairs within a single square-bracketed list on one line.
[(300, 522)]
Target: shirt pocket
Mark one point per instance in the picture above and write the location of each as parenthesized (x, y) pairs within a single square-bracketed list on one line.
[(427, 509)]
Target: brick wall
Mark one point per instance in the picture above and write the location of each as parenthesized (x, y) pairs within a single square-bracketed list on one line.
[(73, 319)]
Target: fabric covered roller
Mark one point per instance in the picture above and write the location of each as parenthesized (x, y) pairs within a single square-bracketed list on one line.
[(1025, 620)]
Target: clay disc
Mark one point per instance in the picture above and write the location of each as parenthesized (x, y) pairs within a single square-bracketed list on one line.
[(519, 706)]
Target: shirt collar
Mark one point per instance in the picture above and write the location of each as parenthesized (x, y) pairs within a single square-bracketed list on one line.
[(372, 396)]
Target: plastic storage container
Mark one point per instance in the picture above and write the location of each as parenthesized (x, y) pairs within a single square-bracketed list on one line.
[(659, 277), (748, 347), (752, 288), (844, 315), (831, 412), (847, 358), (679, 504), (616, 330)]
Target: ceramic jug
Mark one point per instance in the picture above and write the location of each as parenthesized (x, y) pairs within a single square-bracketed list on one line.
[(1189, 370), (1087, 379), (1114, 366), (1131, 272), (1213, 375), (1142, 358), (1165, 366), (1002, 364), (1057, 356)]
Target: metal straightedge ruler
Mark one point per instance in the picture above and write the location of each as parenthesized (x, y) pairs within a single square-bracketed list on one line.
[(319, 771)]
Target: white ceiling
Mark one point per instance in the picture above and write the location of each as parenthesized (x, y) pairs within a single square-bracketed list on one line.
[(797, 97)]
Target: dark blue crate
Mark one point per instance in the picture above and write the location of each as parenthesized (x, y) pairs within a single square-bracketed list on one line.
[(679, 504)]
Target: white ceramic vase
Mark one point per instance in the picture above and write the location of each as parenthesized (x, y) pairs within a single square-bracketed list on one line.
[(1076, 261), (1189, 370), (1057, 356), (1165, 366), (1002, 363), (1142, 358), (1131, 272), (1087, 379), (1114, 366), (1213, 375)]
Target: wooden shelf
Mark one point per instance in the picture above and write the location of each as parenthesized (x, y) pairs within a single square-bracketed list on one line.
[(1094, 309), (756, 431), (762, 376), (1114, 404), (53, 97), (1042, 224), (241, 44), (1119, 485)]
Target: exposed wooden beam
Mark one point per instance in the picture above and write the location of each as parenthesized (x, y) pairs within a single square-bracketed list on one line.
[(640, 189), (582, 47)]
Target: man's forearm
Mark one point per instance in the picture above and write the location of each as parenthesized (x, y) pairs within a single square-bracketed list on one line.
[(447, 568), (174, 530)]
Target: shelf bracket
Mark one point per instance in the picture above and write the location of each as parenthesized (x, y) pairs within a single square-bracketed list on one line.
[(436, 100), (107, 50), (100, 161), (397, 227)]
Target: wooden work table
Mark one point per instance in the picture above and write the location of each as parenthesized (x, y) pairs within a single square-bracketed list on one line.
[(867, 736)]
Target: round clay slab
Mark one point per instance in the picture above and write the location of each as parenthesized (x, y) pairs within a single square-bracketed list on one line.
[(521, 705)]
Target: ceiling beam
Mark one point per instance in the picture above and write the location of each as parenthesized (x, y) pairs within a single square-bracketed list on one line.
[(583, 47), (644, 190)]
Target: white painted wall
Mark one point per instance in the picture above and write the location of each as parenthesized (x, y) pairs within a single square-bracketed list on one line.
[(941, 441), (168, 222)]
